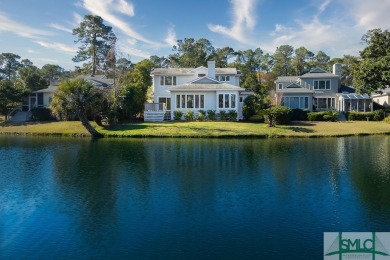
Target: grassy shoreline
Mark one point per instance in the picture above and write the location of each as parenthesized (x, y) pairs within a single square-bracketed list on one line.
[(202, 129)]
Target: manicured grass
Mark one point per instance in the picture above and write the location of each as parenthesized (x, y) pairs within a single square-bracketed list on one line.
[(203, 129)]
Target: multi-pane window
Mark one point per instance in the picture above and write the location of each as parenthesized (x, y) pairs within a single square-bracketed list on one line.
[(223, 78), (227, 101), (296, 102), (321, 84), (167, 80), (165, 100), (190, 101)]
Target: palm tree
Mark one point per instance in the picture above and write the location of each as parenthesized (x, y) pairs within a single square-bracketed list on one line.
[(77, 97)]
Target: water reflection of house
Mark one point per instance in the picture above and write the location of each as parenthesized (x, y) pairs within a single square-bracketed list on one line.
[(320, 90), (42, 98)]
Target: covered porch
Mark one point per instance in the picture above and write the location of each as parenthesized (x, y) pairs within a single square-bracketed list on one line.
[(355, 103)]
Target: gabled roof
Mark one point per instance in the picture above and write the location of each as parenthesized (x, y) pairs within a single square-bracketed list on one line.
[(286, 79), (98, 80), (198, 68), (49, 89), (320, 75), (191, 71), (205, 80), (317, 70), (205, 87), (294, 85), (295, 88)]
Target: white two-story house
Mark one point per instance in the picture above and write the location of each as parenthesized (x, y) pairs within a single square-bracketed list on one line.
[(320, 90), (194, 89)]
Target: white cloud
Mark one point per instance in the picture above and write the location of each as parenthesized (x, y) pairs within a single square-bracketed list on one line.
[(369, 14), (31, 51), (171, 39), (8, 25), (105, 10), (134, 51), (244, 20), (58, 46), (60, 27), (125, 8), (77, 19), (324, 5)]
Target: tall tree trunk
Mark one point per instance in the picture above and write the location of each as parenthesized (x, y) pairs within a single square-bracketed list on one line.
[(84, 120)]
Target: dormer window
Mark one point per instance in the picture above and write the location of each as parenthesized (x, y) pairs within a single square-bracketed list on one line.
[(223, 78), (280, 86), (167, 80), (201, 75)]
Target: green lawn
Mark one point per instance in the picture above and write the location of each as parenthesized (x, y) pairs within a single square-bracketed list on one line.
[(203, 129)]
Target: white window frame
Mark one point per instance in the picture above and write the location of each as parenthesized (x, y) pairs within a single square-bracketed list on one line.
[(280, 85), (182, 101), (166, 102), (223, 78), (163, 80), (228, 100), (316, 84)]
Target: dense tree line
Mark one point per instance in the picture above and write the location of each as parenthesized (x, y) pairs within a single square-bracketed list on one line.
[(97, 51)]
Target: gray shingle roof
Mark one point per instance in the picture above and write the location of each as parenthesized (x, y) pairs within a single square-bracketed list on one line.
[(295, 90), (287, 79), (209, 87), (319, 75), (189, 71)]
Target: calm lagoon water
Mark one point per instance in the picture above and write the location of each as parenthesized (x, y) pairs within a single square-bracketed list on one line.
[(188, 198)]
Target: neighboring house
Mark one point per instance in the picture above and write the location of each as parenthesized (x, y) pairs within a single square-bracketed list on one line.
[(195, 89), (382, 97), (320, 90), (43, 97)]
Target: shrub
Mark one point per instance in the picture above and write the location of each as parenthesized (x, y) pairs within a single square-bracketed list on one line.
[(322, 116), (201, 115), (211, 115), (252, 104), (41, 114), (387, 120), (232, 115), (223, 115), (377, 115), (277, 115), (177, 115), (189, 116), (299, 114)]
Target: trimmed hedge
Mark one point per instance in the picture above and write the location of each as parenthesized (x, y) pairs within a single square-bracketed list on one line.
[(322, 116), (376, 115)]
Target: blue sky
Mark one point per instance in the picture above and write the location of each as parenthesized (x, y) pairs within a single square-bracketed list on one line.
[(40, 30)]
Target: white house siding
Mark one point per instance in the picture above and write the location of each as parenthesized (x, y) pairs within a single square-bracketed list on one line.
[(209, 101), (383, 100)]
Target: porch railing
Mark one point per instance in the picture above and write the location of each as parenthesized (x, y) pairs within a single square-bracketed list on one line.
[(155, 106)]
